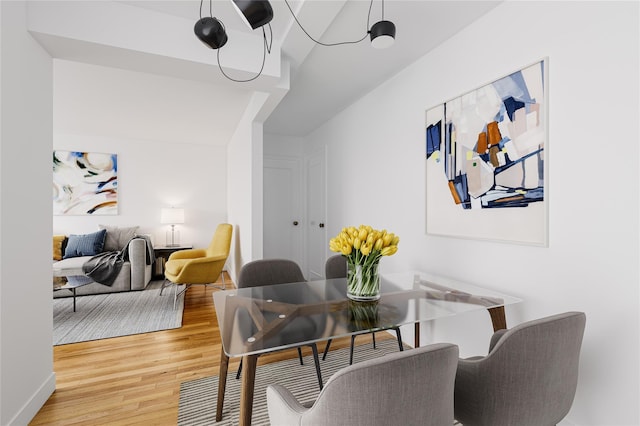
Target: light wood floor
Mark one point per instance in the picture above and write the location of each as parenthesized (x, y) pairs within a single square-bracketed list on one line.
[(135, 380)]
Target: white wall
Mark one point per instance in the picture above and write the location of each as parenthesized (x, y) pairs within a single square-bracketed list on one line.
[(178, 163), (283, 146), (376, 176), (153, 175), (244, 159), (26, 351)]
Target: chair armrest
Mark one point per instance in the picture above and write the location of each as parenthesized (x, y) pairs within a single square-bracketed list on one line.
[(496, 338), (283, 407), (470, 389), (188, 254), (204, 260), (137, 251)]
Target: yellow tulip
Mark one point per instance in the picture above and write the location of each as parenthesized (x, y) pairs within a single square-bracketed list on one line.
[(366, 240), (357, 243), (365, 249), (388, 251), (334, 245), (370, 239)]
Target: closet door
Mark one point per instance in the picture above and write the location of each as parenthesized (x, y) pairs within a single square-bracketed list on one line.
[(283, 224)]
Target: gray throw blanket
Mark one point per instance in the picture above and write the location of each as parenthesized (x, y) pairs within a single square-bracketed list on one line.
[(104, 268)]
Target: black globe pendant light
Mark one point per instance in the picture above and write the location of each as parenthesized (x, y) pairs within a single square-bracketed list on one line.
[(211, 32), (254, 13)]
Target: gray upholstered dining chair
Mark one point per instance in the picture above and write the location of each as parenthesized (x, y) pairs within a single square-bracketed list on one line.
[(336, 267), (414, 387), (529, 376), (276, 271)]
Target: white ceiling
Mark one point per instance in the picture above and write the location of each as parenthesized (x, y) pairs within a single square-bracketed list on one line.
[(323, 80), (110, 102)]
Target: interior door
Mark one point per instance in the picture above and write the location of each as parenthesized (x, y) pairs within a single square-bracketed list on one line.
[(316, 231), (282, 235)]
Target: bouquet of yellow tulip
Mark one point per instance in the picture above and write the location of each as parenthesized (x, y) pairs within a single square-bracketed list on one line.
[(363, 248)]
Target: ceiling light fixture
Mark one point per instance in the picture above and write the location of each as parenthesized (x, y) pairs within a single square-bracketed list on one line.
[(211, 32), (259, 13), (383, 33), (254, 13)]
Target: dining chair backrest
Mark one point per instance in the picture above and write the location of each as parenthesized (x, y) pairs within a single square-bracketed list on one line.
[(529, 377), (335, 267), (414, 387), (268, 272)]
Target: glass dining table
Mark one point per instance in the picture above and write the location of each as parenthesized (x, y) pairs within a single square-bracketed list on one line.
[(257, 320)]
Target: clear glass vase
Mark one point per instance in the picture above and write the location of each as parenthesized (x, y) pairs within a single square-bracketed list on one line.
[(363, 281)]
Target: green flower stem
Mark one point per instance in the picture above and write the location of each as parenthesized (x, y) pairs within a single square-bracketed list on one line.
[(362, 278)]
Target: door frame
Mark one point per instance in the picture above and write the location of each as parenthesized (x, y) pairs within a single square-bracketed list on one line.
[(321, 154)]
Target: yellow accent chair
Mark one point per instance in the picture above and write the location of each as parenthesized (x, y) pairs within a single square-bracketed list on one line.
[(199, 266)]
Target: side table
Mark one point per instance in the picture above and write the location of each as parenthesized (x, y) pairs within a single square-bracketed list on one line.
[(161, 254), (70, 279)]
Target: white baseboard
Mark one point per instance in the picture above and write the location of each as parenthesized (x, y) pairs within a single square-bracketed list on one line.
[(35, 403)]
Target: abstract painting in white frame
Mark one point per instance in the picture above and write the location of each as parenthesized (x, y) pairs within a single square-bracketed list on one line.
[(85, 183), (486, 172)]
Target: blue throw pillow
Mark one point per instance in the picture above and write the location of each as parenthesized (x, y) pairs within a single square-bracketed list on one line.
[(85, 245)]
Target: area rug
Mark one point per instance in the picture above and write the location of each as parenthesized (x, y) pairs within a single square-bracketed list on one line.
[(115, 314), (198, 398)]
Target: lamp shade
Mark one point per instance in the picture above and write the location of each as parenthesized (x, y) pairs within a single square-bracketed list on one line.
[(211, 32), (254, 13), (172, 216), (383, 34)]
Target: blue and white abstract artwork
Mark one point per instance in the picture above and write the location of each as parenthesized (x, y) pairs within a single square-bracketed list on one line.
[(485, 151)]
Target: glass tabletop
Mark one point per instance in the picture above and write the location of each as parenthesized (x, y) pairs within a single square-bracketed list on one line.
[(262, 319)]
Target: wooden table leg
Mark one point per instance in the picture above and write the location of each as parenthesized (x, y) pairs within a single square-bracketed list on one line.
[(416, 336), (498, 318), (246, 392), (222, 383)]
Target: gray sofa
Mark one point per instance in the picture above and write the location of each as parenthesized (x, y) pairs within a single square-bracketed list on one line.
[(134, 275)]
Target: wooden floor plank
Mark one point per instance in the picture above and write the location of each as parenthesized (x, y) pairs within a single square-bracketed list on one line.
[(135, 380)]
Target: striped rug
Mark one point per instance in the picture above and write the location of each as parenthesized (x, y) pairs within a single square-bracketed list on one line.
[(198, 397), (103, 316)]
